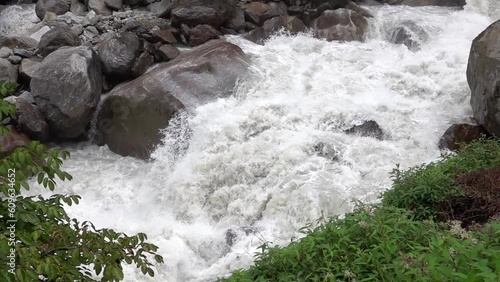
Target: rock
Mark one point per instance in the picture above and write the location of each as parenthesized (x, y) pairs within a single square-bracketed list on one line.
[(202, 33), (114, 4), (360, 10), (56, 38), (78, 8), (237, 20), (5, 52), (168, 52), (133, 113), (15, 59), (334, 4), (289, 24), (27, 69), (340, 24), (67, 86), (119, 53), (483, 78), (195, 12), (21, 42), (460, 133), (12, 141), (258, 12), (367, 129), (410, 34), (30, 120), (164, 35), (446, 3), (37, 36), (8, 72), (161, 9), (27, 96), (99, 7), (57, 7), (23, 53), (142, 64)]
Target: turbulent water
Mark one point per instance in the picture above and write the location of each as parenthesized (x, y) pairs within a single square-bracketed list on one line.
[(245, 169)]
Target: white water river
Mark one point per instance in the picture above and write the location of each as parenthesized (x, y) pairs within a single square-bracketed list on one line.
[(251, 165)]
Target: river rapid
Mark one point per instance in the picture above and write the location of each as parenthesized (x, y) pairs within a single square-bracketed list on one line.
[(244, 170)]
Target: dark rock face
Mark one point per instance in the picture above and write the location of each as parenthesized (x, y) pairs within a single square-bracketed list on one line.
[(57, 7), (410, 34), (460, 133), (12, 141), (202, 33), (289, 24), (334, 4), (367, 129), (340, 24), (195, 12), (258, 12), (66, 86), (56, 38), (30, 120), (237, 20), (484, 80), (133, 113), (119, 53)]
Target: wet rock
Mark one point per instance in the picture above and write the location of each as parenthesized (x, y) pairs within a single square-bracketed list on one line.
[(30, 120), (460, 133), (409, 34), (168, 52), (202, 33), (119, 53), (67, 86), (483, 78), (57, 7), (8, 72), (56, 38), (196, 12), (259, 12), (327, 151), (133, 113), (340, 24), (288, 24), (367, 129), (11, 141)]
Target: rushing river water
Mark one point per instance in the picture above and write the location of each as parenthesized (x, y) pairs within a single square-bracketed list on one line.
[(248, 171)]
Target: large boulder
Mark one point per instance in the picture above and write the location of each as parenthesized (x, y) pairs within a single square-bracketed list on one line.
[(57, 7), (8, 72), (341, 24), (460, 133), (56, 38), (484, 80), (195, 12), (132, 114), (446, 3), (258, 12), (119, 53), (290, 24), (67, 85), (21, 42)]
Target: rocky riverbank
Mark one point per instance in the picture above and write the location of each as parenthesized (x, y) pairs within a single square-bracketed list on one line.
[(154, 58)]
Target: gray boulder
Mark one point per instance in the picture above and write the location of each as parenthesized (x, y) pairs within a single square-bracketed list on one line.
[(484, 80), (56, 38), (133, 113), (114, 4), (119, 53), (8, 72), (57, 7), (195, 12), (67, 86), (20, 42), (30, 120), (341, 24)]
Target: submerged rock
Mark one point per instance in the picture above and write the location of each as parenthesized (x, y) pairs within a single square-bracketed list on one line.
[(131, 116), (340, 24), (288, 24), (367, 129)]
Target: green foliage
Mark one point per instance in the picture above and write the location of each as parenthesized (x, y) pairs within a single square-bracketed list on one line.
[(424, 188), (40, 242), (382, 244)]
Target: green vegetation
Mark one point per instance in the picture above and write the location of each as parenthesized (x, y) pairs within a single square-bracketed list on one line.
[(438, 223), (39, 241)]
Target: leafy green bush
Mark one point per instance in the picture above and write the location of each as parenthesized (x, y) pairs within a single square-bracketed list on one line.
[(39, 241), (424, 189), (382, 244)]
